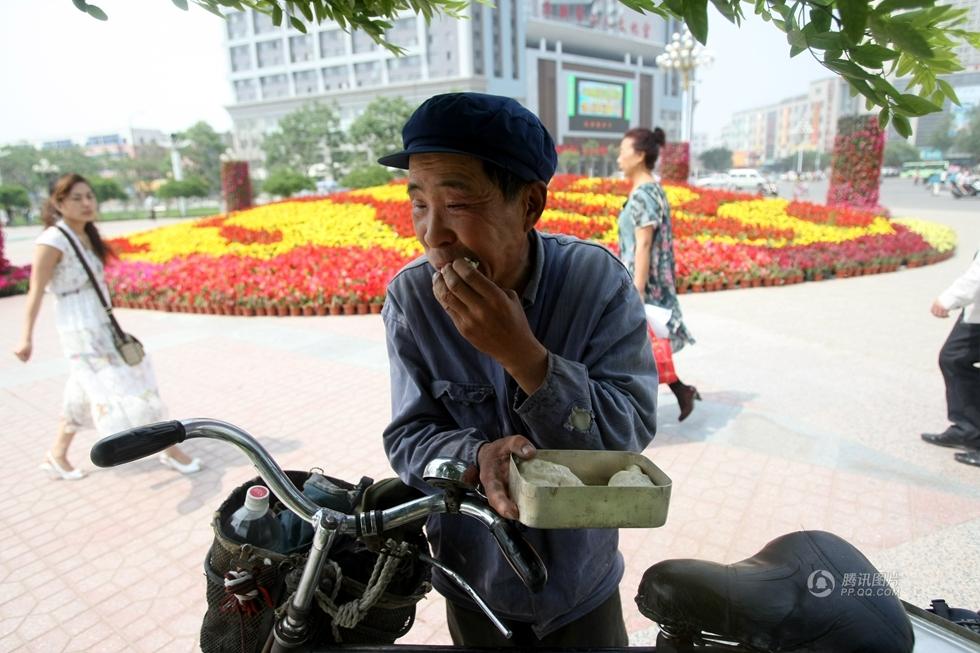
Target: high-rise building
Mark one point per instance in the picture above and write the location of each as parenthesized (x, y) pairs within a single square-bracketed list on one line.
[(803, 122), (544, 54)]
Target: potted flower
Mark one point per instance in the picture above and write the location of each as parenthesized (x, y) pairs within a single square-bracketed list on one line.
[(697, 281), (350, 304)]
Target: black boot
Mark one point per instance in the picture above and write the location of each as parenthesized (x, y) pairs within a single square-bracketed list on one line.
[(686, 394)]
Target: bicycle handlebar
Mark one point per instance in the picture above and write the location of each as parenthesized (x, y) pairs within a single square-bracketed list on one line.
[(143, 441)]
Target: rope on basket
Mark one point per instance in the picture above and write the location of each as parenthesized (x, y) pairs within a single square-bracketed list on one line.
[(353, 612)]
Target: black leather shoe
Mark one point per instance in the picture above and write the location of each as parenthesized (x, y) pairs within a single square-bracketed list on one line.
[(971, 457), (952, 439)]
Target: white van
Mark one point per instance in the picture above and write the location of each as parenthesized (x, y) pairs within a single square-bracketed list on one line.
[(748, 180)]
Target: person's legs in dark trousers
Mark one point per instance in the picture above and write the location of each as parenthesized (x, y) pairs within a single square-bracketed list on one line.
[(956, 359), (603, 627)]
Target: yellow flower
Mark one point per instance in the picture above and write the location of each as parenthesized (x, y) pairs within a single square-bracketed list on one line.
[(386, 193), (591, 199), (677, 195), (939, 236), (301, 223), (772, 213)]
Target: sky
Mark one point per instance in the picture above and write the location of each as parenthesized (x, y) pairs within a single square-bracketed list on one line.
[(151, 65), (751, 68)]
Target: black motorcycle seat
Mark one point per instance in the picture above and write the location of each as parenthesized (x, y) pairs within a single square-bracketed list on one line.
[(804, 591)]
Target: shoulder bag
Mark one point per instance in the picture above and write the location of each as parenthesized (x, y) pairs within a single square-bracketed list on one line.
[(129, 348)]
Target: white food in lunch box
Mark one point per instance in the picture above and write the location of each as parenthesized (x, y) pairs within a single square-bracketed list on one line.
[(547, 474), (632, 476)]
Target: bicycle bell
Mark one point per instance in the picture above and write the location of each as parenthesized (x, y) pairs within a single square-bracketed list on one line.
[(451, 474)]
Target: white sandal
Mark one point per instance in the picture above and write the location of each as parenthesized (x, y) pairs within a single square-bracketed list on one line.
[(192, 467), (53, 467)]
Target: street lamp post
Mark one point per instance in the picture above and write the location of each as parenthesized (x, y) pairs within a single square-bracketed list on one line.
[(47, 170), (685, 55), (178, 170)]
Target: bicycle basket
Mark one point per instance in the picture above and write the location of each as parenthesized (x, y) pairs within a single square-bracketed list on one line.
[(268, 579)]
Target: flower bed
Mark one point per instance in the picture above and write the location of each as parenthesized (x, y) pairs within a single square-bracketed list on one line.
[(336, 254), (13, 279)]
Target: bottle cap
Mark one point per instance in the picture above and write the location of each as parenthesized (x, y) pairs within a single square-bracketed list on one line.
[(257, 498)]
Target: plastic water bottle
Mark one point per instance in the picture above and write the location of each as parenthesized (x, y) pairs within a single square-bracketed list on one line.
[(254, 523)]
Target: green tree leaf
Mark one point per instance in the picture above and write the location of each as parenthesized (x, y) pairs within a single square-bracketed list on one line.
[(846, 68), (914, 105), (884, 87), (889, 6), (181, 4), (797, 40), (872, 56), (696, 17), (820, 18), (732, 11), (883, 117), (854, 15), (902, 125), (96, 13), (910, 40), (826, 41), (947, 88)]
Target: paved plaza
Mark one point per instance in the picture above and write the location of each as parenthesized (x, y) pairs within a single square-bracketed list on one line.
[(814, 398)]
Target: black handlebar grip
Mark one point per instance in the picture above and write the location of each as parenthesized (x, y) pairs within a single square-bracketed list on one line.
[(525, 561), (137, 443)]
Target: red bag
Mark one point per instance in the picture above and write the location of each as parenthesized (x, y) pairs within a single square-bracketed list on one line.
[(663, 356)]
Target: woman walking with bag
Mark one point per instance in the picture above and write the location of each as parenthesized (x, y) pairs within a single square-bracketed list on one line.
[(104, 390), (646, 243)]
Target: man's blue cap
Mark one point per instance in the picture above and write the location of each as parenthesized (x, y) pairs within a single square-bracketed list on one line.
[(489, 127)]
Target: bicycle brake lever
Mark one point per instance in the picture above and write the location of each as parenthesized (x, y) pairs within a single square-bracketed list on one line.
[(466, 587)]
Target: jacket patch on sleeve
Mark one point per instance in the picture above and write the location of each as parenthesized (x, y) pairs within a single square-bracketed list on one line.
[(580, 419)]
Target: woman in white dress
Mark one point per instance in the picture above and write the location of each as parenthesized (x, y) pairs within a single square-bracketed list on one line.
[(102, 390)]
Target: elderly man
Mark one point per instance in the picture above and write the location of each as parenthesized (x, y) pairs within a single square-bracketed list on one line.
[(502, 339)]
